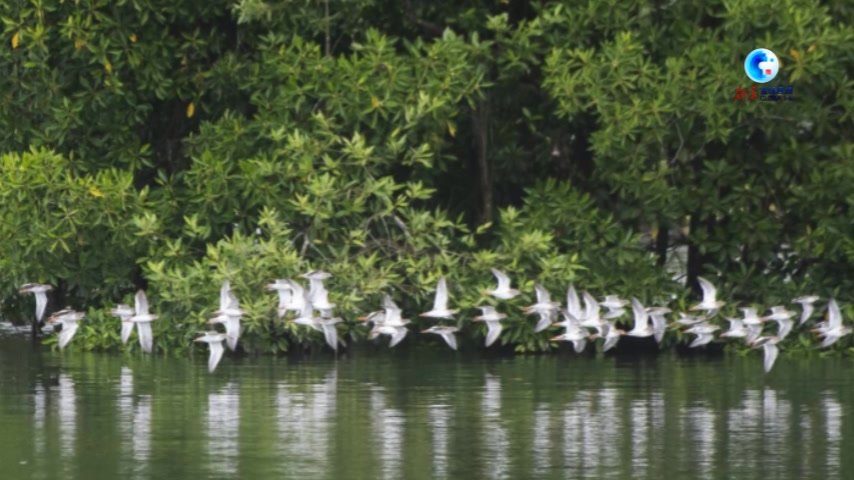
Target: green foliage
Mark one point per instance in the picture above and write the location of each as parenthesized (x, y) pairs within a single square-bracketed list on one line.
[(173, 145)]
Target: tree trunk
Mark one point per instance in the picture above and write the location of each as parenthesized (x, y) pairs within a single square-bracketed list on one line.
[(480, 127)]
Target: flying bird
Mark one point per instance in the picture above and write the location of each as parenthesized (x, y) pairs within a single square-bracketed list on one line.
[(492, 318), (214, 340), (446, 332), (710, 303), (142, 318), (440, 303), (125, 314), (69, 319), (503, 290), (807, 307), (40, 292)]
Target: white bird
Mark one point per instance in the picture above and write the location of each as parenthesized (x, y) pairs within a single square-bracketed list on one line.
[(546, 320), (214, 340), (784, 320), (228, 315), (503, 290), (833, 330), (397, 333), (704, 332), (610, 333), (573, 332), (493, 323), (390, 322), (770, 350), (736, 329), (544, 301), (69, 320), (143, 318), (40, 292), (440, 303), (689, 320), (125, 314), (659, 323), (751, 316), (317, 293), (642, 327), (306, 314), (299, 297), (545, 308), (710, 303), (285, 291), (807, 307), (446, 332), (615, 306)]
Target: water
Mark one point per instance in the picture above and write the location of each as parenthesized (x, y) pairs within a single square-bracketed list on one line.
[(392, 415)]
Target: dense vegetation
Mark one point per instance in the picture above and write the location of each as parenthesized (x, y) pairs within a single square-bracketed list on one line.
[(172, 144)]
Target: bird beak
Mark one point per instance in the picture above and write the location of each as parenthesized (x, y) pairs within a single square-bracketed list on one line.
[(425, 331)]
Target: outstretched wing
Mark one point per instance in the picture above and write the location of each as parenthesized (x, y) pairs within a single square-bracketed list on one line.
[(146, 338), (591, 307), (331, 335), (440, 301), (141, 303), (223, 294), (771, 352), (834, 316), (41, 304), (494, 330), (127, 329), (398, 336), (503, 279), (709, 290), (543, 296), (215, 356), (573, 304), (67, 333), (639, 313), (450, 339)]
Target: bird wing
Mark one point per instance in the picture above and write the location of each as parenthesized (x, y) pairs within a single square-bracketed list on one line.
[(127, 329), (543, 296), (503, 279), (488, 311), (67, 333), (579, 345), (639, 313), (702, 339), (494, 330), (388, 303), (834, 316), (143, 330), (141, 303), (215, 356), (806, 312), (450, 339), (573, 304), (331, 334), (223, 294), (709, 291), (440, 301), (771, 352), (591, 306), (545, 321), (41, 304), (398, 335)]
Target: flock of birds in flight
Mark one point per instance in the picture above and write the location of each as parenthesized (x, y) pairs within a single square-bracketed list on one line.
[(582, 318)]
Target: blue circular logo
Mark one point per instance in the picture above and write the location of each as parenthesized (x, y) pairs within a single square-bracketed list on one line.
[(761, 65)]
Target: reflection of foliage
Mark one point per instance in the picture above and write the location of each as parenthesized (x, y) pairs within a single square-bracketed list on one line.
[(391, 143)]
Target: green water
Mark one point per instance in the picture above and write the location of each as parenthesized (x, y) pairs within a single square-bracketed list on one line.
[(392, 415)]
